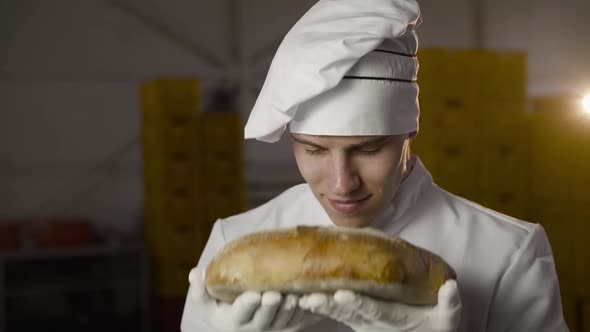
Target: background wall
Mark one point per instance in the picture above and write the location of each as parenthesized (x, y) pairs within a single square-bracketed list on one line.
[(70, 72)]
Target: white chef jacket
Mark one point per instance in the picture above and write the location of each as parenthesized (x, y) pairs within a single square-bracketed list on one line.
[(505, 269)]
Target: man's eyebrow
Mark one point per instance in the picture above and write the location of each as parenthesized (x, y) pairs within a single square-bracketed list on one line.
[(306, 142), (371, 141)]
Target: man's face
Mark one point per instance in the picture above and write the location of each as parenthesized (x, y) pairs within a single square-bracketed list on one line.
[(353, 177)]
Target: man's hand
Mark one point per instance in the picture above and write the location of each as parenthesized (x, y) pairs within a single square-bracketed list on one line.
[(251, 311), (365, 314)]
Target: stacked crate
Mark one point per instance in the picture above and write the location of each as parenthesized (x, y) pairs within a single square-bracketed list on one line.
[(561, 174), (506, 158), (445, 142), (474, 130), (193, 175), (224, 164), (478, 141)]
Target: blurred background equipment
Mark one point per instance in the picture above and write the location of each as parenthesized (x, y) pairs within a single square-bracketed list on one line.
[(193, 175), (482, 140), (110, 179), (474, 129), (58, 274), (586, 103), (560, 178)]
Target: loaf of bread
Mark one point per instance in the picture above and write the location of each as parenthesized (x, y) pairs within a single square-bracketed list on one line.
[(324, 259)]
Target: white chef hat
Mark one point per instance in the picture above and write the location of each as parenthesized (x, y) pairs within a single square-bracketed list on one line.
[(347, 68)]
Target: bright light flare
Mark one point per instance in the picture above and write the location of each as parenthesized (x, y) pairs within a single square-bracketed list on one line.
[(586, 104)]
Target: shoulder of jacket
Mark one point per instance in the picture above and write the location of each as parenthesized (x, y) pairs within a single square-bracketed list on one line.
[(528, 239), (470, 210)]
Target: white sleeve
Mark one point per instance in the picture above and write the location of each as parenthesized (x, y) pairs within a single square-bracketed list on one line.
[(192, 320), (527, 296)]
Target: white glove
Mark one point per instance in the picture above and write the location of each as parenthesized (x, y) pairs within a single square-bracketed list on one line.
[(251, 311), (365, 314)]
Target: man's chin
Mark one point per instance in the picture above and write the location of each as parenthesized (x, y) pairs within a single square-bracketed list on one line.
[(351, 222)]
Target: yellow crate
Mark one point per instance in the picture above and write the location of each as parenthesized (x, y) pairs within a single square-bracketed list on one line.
[(570, 312), (184, 174), (504, 119), (175, 210), (560, 225), (473, 74), (560, 149), (432, 74), (185, 137), (160, 151), (432, 61), (585, 319), (170, 119), (223, 127), (493, 75), (164, 176), (164, 241), (444, 125), (508, 77), (582, 212), (507, 178), (178, 240), (169, 186), (155, 122), (160, 176), (456, 168), (224, 169), (170, 277), (170, 98), (422, 146), (185, 195), (506, 169), (227, 192), (514, 204), (169, 176), (464, 186), (172, 174), (221, 204), (450, 113)]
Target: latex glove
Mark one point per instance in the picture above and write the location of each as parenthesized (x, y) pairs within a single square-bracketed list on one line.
[(365, 314), (251, 311)]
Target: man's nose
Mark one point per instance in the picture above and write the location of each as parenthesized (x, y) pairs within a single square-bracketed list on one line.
[(344, 177)]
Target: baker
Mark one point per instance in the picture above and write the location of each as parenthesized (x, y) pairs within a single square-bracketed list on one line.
[(342, 86)]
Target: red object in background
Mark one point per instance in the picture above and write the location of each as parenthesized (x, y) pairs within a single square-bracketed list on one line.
[(167, 313), (61, 232), (10, 236)]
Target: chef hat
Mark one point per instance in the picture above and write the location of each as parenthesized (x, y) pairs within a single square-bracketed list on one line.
[(347, 68)]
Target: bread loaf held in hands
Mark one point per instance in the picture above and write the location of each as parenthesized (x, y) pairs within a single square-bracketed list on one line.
[(325, 259)]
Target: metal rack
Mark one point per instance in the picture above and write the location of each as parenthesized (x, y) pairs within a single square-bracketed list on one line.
[(98, 273)]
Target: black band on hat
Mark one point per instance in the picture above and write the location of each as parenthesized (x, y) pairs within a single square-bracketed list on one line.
[(378, 79), (397, 53)]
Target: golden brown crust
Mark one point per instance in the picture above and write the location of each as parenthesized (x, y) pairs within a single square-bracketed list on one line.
[(325, 259)]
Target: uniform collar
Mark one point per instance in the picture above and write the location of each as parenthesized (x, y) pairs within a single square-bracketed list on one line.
[(412, 188)]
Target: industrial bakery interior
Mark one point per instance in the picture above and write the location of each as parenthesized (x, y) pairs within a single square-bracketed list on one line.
[(122, 141)]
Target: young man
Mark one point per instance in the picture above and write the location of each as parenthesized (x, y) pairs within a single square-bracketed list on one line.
[(344, 82)]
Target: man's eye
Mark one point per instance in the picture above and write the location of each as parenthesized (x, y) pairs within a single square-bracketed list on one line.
[(313, 152), (369, 151)]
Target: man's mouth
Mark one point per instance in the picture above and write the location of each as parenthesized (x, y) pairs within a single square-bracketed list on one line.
[(348, 205)]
